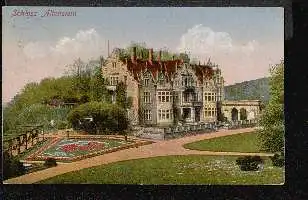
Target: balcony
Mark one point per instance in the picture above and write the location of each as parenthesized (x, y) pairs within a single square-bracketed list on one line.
[(189, 88), (111, 87), (192, 103), (197, 103)]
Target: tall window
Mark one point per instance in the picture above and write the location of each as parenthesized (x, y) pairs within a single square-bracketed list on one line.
[(164, 96), (165, 114), (114, 80), (210, 112), (147, 115), (114, 65), (146, 81), (186, 97), (210, 96), (176, 96), (147, 97), (196, 97)]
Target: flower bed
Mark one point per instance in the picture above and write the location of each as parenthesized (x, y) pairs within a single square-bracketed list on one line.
[(79, 148)]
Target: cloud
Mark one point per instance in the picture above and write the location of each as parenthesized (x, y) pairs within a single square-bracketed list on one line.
[(239, 60), (201, 40), (85, 44), (35, 60), (34, 50)]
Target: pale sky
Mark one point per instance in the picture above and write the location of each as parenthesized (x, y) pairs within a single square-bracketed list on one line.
[(244, 42)]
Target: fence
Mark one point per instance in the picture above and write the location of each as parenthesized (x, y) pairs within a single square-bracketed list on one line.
[(23, 142), (187, 130), (243, 124)]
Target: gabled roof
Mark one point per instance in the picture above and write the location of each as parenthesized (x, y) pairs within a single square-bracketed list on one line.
[(166, 67)]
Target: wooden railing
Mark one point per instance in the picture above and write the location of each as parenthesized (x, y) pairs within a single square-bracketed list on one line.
[(23, 142)]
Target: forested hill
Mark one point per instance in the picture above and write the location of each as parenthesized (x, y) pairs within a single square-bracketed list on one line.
[(248, 90)]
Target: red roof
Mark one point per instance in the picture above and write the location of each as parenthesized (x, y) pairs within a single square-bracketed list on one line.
[(167, 67)]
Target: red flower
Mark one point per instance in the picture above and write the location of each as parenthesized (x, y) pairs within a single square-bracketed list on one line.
[(69, 147)]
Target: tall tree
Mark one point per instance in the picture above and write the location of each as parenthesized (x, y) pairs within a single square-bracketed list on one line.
[(272, 119)]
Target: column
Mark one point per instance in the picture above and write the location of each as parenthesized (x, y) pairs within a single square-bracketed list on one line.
[(192, 117)]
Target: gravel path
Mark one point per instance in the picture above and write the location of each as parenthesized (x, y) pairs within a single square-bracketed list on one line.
[(160, 148)]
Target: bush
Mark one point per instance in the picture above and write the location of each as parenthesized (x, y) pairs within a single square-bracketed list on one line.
[(61, 125), (12, 167), (249, 163), (278, 160), (50, 162), (105, 117)]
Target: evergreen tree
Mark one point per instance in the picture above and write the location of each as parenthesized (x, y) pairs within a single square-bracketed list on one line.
[(272, 119)]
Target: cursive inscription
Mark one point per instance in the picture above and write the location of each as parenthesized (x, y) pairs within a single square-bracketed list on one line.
[(43, 13)]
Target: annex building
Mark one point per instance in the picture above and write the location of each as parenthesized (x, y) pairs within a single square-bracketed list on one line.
[(165, 92)]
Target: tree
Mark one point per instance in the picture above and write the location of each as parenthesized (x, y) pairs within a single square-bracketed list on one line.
[(12, 167), (272, 118), (104, 118), (122, 99), (143, 52)]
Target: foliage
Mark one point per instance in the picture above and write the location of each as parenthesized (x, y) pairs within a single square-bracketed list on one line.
[(33, 115), (249, 90), (121, 99), (62, 125), (12, 167), (249, 163), (272, 118), (82, 83), (98, 87), (142, 52), (278, 160), (189, 169), (50, 162), (106, 117)]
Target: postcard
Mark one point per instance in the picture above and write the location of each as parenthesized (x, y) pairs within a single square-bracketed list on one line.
[(143, 95)]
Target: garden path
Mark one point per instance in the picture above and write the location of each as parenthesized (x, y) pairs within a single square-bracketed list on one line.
[(159, 148)]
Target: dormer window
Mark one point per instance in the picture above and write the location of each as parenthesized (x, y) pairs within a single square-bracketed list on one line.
[(161, 79)]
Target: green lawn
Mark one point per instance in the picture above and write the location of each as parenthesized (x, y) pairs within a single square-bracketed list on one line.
[(192, 169), (243, 142)]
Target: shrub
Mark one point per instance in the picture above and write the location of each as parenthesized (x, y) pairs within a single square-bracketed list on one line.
[(278, 160), (249, 163), (61, 125), (12, 167), (50, 162), (105, 116)]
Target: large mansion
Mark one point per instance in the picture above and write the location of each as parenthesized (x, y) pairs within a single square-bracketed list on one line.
[(164, 92)]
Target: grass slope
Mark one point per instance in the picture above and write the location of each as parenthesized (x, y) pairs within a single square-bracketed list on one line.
[(192, 169), (243, 142)]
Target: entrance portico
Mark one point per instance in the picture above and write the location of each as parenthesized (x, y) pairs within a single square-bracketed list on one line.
[(191, 114), (241, 110)]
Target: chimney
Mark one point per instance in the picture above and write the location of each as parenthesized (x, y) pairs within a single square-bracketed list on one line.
[(173, 57), (159, 55), (133, 56), (151, 54), (199, 63)]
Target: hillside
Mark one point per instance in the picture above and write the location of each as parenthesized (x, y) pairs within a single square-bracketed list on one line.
[(248, 90)]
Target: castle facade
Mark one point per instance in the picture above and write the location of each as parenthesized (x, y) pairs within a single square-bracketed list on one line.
[(166, 92)]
